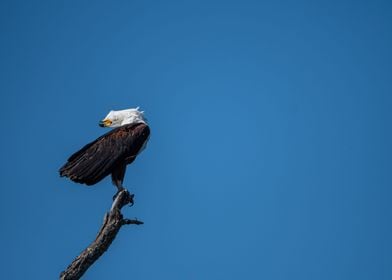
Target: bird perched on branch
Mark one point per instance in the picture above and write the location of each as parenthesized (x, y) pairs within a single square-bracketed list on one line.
[(112, 152)]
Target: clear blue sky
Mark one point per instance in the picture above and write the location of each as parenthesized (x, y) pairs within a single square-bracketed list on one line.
[(270, 155)]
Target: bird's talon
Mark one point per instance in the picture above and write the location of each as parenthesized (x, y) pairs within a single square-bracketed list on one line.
[(131, 196)]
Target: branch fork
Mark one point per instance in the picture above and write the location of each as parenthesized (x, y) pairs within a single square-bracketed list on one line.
[(112, 222)]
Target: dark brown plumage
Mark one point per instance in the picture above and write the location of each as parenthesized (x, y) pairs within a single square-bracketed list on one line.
[(109, 154)]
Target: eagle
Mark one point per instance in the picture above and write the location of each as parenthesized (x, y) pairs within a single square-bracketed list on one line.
[(112, 152)]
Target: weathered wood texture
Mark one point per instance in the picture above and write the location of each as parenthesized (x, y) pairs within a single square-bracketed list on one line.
[(112, 223)]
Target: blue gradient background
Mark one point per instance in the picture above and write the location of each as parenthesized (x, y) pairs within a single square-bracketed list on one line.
[(270, 155)]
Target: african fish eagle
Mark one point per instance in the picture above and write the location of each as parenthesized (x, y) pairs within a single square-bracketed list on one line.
[(112, 152)]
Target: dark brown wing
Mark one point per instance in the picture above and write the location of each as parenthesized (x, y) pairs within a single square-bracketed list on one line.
[(99, 158)]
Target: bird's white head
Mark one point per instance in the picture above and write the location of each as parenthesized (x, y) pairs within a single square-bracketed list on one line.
[(122, 117)]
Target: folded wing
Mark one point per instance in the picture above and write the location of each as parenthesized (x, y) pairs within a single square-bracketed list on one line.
[(101, 157)]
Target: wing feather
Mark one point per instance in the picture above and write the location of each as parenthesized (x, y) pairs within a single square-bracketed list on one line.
[(97, 159)]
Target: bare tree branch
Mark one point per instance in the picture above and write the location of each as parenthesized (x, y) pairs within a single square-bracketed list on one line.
[(112, 223)]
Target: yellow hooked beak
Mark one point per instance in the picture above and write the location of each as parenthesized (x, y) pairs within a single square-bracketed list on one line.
[(105, 123)]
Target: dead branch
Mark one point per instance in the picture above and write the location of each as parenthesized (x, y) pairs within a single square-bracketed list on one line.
[(113, 221)]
